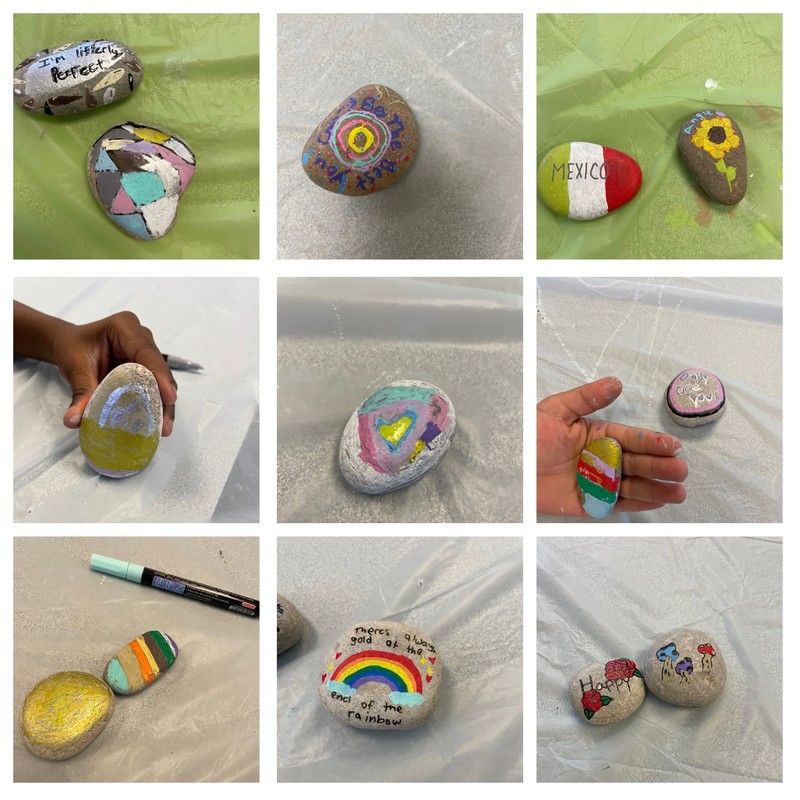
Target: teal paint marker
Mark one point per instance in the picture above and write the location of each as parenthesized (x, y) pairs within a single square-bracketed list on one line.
[(201, 592)]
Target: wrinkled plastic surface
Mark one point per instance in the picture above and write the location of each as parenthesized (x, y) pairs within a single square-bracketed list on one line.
[(628, 81), (341, 339), (461, 74), (200, 720), (601, 598), (645, 332), (200, 82), (466, 595), (207, 470)]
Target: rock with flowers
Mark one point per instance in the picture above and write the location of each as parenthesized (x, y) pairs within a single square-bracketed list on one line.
[(685, 667), (712, 146), (608, 691)]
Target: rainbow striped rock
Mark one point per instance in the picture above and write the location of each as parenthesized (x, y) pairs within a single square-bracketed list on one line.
[(381, 676), (581, 180), (599, 471), (141, 662), (695, 397)]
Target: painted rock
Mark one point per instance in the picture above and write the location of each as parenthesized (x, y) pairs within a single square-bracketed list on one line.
[(364, 145), (599, 471), (141, 662), (121, 426), (138, 173), (581, 180), (290, 624), (397, 435), (64, 713), (695, 397), (712, 147), (381, 676), (608, 691), (685, 667), (76, 77)]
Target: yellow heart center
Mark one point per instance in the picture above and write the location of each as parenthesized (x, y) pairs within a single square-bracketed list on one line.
[(395, 431)]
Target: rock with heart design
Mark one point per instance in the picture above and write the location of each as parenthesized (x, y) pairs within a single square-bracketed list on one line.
[(364, 145), (685, 667), (138, 173), (381, 676), (712, 147), (599, 473), (76, 77), (397, 435), (121, 425), (290, 624), (608, 691), (695, 397)]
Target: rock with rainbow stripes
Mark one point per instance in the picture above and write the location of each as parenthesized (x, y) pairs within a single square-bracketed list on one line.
[(599, 472), (397, 435), (381, 675), (141, 662), (581, 180)]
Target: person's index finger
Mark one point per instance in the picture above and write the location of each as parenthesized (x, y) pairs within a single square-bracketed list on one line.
[(582, 400), (641, 440)]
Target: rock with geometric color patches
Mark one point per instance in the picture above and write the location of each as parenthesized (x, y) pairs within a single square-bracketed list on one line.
[(76, 77), (64, 713), (141, 662), (138, 173), (695, 397), (581, 180), (599, 472), (685, 667), (121, 425), (712, 147), (290, 624), (381, 676), (364, 145), (608, 691), (397, 435)]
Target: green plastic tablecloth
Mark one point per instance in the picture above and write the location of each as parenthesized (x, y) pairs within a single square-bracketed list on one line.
[(628, 81), (201, 82)]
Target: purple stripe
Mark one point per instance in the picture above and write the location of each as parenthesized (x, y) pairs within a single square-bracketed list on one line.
[(377, 679), (598, 464)]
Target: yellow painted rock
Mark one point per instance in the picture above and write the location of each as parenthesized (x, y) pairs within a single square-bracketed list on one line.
[(64, 713), (121, 426)]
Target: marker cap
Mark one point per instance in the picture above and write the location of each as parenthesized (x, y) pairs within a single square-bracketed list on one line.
[(117, 568)]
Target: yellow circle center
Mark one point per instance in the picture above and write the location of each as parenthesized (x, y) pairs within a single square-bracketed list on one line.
[(369, 139)]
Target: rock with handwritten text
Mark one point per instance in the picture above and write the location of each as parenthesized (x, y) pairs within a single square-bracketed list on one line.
[(76, 77), (712, 147), (608, 691), (695, 397), (290, 624), (381, 676), (599, 474), (685, 667), (364, 145), (397, 435), (138, 173), (581, 180)]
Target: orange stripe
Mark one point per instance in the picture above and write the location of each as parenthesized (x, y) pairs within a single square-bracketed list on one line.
[(144, 665)]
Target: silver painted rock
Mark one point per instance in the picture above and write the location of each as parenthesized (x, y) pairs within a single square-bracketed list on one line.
[(141, 662), (76, 77), (685, 667), (290, 624), (64, 713), (695, 397), (138, 173), (381, 676), (121, 426), (608, 691), (397, 435)]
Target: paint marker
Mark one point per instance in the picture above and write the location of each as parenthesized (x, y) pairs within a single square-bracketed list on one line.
[(172, 583)]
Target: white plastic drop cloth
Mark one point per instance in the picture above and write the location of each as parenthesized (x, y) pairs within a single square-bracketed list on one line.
[(646, 331), (340, 339), (463, 593), (207, 470), (602, 598), (199, 722)]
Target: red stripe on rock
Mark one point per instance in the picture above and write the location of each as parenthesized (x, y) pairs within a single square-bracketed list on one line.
[(623, 179)]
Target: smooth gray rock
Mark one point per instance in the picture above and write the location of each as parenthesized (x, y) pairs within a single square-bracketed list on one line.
[(607, 692), (290, 624)]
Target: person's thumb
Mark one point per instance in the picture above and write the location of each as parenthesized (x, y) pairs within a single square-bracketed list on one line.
[(83, 381), (574, 403)]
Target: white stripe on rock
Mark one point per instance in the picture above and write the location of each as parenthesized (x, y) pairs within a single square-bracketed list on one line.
[(587, 195)]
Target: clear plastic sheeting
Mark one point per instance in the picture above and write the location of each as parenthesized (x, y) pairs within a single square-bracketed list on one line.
[(604, 598), (466, 595), (461, 74), (199, 722), (339, 340), (645, 332), (207, 470)]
